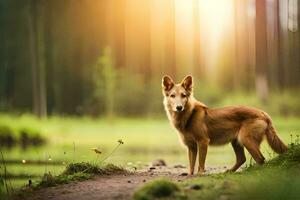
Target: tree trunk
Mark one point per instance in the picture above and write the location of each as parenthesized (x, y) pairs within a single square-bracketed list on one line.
[(197, 56), (262, 87), (37, 67)]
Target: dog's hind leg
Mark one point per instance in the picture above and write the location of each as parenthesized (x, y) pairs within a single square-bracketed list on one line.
[(251, 136), (253, 149), (240, 155), (192, 154)]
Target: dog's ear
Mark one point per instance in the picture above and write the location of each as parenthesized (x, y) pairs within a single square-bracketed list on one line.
[(187, 83), (167, 83)]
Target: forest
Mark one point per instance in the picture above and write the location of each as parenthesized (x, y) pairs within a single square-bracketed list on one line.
[(116, 52), (81, 98)]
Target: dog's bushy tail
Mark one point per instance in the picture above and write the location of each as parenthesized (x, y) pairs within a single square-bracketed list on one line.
[(274, 141)]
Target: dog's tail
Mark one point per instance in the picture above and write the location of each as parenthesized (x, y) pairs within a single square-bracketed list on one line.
[(274, 141)]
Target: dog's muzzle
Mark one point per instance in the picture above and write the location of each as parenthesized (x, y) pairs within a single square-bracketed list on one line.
[(179, 108)]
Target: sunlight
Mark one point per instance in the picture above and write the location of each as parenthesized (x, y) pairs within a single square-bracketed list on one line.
[(217, 14), (216, 19)]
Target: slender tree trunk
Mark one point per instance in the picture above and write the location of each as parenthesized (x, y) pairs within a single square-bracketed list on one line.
[(197, 50), (38, 70), (170, 46), (262, 87)]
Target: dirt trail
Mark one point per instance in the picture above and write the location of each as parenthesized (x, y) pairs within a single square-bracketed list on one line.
[(111, 187)]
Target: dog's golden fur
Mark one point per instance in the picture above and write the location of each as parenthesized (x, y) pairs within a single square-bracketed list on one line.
[(199, 126)]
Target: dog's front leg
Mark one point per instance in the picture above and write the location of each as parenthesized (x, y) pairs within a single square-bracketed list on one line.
[(202, 151), (192, 154)]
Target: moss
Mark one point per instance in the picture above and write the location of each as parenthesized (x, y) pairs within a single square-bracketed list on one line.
[(49, 181), (157, 189), (79, 172), (89, 168)]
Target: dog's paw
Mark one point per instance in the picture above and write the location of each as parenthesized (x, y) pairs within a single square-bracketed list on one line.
[(201, 172)]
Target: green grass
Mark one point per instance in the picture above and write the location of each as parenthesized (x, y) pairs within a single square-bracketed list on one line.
[(277, 179), (78, 172), (157, 189)]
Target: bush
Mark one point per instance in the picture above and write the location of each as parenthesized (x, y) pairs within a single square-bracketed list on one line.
[(7, 136), (156, 189), (24, 136)]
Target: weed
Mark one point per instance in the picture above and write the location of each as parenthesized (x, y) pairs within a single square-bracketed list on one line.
[(5, 184), (120, 142)]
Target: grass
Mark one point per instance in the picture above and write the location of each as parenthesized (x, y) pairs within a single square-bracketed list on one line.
[(157, 189), (140, 136), (277, 179), (78, 172)]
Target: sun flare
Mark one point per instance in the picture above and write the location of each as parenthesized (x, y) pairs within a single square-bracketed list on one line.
[(216, 15)]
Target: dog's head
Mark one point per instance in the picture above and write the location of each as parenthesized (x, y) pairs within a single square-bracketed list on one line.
[(177, 95)]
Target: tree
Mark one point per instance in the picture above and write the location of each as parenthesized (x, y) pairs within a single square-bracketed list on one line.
[(37, 59), (261, 82)]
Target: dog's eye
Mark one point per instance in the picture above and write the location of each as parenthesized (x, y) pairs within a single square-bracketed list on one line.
[(183, 95), (172, 95)]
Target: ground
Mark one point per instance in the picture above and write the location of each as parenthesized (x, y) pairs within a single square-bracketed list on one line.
[(72, 140), (118, 186)]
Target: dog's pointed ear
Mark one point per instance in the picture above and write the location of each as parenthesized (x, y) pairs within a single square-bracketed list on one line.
[(187, 83), (167, 83)]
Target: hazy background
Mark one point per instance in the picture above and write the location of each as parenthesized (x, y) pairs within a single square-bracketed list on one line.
[(82, 74), (99, 57)]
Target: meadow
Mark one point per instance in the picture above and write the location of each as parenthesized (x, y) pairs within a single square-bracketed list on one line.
[(145, 139)]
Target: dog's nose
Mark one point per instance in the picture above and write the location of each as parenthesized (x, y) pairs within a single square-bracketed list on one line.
[(179, 108)]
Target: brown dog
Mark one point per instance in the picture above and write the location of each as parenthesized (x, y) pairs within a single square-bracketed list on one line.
[(199, 126)]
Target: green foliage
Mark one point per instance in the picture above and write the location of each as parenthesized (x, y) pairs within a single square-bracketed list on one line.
[(157, 189), (287, 160), (12, 132), (104, 82)]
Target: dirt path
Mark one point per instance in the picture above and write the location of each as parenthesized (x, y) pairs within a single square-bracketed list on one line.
[(111, 187)]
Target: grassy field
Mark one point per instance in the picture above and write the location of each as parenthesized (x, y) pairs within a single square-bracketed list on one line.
[(72, 140)]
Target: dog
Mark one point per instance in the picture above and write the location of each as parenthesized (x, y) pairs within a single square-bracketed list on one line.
[(199, 126)]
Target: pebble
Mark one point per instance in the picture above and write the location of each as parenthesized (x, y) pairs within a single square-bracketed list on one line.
[(179, 166), (184, 174), (159, 162)]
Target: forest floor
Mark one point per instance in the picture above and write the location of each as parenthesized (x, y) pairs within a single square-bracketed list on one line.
[(117, 186)]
